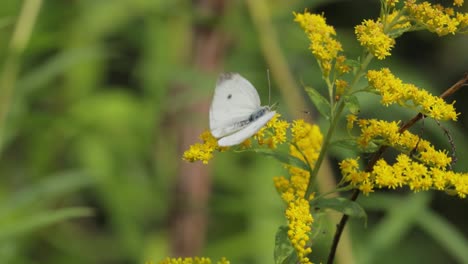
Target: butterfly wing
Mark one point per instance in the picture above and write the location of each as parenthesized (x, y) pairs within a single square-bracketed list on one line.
[(234, 100), (246, 132)]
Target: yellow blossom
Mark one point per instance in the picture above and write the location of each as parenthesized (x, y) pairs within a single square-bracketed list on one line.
[(278, 136), (435, 18), (372, 36), (322, 43), (306, 143), (393, 90), (189, 260), (341, 65), (391, 3), (397, 21), (202, 151), (299, 227), (308, 139), (404, 172), (341, 85), (458, 2), (351, 119), (270, 135)]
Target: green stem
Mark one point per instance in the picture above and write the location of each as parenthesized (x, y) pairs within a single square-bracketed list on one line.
[(335, 118)]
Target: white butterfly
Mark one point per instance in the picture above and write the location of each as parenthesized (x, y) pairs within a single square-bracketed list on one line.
[(235, 113)]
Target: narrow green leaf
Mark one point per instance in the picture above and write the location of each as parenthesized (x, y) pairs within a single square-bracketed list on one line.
[(353, 63), (284, 252), (445, 233), (284, 158), (341, 205), (323, 106), (34, 222), (352, 103), (50, 188)]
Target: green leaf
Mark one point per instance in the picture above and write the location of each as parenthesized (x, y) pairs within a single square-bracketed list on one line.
[(283, 157), (284, 252), (341, 205), (352, 103), (52, 187), (351, 144), (323, 106), (40, 220), (353, 63)]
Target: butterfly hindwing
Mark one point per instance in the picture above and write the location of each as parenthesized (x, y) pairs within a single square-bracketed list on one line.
[(246, 132)]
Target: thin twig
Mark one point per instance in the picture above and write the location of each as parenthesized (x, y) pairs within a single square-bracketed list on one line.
[(344, 219)]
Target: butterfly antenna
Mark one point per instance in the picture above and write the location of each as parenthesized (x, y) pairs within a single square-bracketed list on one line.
[(269, 87)]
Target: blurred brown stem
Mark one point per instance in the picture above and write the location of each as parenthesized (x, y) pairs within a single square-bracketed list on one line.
[(188, 217), (344, 219)]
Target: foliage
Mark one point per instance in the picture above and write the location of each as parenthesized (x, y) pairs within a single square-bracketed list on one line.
[(92, 98)]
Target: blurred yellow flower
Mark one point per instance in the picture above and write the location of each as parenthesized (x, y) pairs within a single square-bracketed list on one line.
[(195, 260), (436, 18)]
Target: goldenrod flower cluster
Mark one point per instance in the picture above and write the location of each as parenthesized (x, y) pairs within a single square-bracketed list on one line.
[(458, 2), (322, 43), (391, 3), (387, 133), (420, 166), (196, 260), (202, 151), (393, 90), (272, 134), (265, 137), (396, 22), (305, 144), (436, 18), (405, 172), (372, 36)]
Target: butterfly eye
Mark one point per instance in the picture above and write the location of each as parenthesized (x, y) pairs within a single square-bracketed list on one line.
[(229, 96)]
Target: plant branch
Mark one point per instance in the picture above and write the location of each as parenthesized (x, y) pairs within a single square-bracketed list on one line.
[(344, 219)]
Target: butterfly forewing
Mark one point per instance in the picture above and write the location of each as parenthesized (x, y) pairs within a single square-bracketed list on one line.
[(234, 100)]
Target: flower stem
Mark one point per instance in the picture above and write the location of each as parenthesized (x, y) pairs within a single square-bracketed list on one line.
[(335, 118)]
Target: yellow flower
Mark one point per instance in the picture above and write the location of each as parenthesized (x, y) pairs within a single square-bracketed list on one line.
[(322, 43), (350, 120), (397, 21), (195, 260), (306, 143), (435, 18), (308, 139), (341, 65), (371, 35), (404, 172), (299, 227), (202, 151), (272, 134), (393, 90), (279, 128), (458, 2), (341, 85)]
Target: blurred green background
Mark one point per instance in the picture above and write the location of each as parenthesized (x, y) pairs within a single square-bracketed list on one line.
[(101, 99)]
